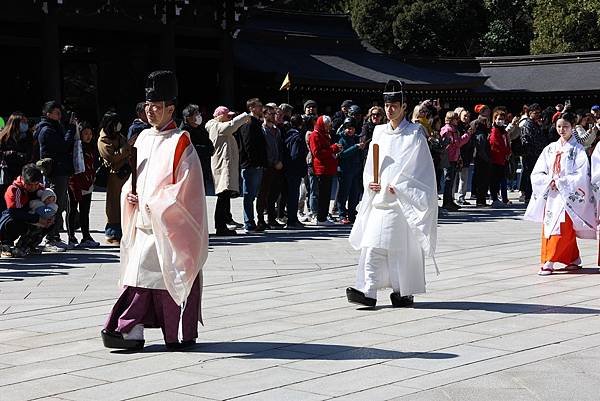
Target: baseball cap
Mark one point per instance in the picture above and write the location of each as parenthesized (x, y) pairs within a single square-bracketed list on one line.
[(222, 110)]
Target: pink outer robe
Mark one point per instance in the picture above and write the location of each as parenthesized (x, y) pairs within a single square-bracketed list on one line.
[(171, 216)]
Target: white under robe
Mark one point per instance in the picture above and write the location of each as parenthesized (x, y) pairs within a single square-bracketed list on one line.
[(595, 179), (165, 238), (573, 196), (404, 223)]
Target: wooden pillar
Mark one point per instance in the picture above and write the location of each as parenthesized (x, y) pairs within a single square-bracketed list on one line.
[(51, 76), (167, 47), (226, 71)]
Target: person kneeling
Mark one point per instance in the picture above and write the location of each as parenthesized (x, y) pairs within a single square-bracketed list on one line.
[(17, 222)]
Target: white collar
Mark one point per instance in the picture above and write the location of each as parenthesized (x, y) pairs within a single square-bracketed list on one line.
[(403, 124)]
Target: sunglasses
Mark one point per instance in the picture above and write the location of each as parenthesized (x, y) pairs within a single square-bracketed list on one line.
[(375, 114)]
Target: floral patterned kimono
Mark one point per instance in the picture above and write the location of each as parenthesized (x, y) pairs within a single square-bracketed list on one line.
[(562, 201)]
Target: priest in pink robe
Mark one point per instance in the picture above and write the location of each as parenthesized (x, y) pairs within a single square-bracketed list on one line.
[(165, 234)]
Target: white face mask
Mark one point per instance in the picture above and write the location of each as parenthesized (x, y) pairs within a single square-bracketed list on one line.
[(198, 119)]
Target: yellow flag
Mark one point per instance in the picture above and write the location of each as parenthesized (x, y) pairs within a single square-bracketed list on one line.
[(286, 82)]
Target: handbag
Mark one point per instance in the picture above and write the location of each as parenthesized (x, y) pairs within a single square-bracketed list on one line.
[(78, 160), (5, 178)]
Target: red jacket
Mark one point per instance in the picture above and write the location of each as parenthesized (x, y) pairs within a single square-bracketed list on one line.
[(500, 150), (323, 151), (17, 203)]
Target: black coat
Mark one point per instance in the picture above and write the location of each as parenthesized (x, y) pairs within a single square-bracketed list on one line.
[(203, 145), (14, 156), (56, 144), (253, 146), (294, 153)]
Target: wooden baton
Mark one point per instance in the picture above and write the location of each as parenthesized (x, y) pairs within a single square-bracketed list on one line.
[(376, 163), (133, 164)]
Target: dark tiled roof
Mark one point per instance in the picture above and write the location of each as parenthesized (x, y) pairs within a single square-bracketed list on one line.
[(344, 68), (561, 73), (323, 49)]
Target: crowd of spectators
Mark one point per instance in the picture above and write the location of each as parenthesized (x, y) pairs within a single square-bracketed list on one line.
[(288, 166)]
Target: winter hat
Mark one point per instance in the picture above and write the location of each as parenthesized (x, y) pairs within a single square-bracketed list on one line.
[(479, 107), (310, 103), (44, 194), (354, 110), (286, 108), (349, 122), (347, 103)]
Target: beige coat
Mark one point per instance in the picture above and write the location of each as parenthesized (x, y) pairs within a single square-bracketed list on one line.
[(225, 163), (115, 152)]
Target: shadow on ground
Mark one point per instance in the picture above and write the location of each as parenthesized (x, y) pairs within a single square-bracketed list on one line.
[(507, 307), (472, 214), (51, 264), (301, 351), (305, 234)]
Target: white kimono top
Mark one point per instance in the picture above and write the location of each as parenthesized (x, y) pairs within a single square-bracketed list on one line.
[(596, 178), (404, 223), (565, 164), (165, 238)]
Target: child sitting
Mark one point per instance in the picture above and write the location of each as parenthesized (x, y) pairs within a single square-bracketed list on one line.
[(45, 206)]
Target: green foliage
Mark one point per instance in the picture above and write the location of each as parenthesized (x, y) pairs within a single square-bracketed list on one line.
[(510, 29), (372, 20), (440, 27), (566, 26), (460, 28)]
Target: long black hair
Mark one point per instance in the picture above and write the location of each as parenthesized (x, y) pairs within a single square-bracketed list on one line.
[(109, 123)]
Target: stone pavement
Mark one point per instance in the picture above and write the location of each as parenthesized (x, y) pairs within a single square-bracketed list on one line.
[(278, 327)]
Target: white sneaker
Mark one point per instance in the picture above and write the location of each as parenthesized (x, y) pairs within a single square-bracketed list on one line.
[(304, 218), (48, 247), (5, 251), (60, 244)]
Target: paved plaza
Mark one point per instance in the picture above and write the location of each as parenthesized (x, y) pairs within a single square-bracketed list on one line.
[(278, 326)]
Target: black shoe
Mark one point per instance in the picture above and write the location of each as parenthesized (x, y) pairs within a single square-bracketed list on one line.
[(116, 340), (399, 301), (294, 226), (225, 232), (260, 227), (463, 202), (275, 225), (358, 297), (234, 224), (451, 207), (180, 346)]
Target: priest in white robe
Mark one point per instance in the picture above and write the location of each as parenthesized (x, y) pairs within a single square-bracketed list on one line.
[(562, 199), (165, 234), (396, 225)]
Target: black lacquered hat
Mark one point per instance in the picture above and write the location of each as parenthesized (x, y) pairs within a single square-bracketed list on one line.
[(393, 91), (161, 86)]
